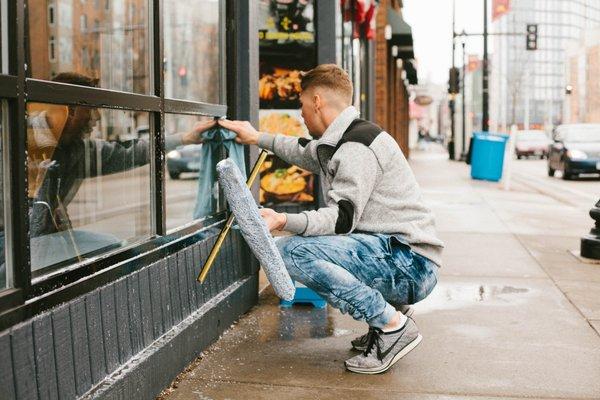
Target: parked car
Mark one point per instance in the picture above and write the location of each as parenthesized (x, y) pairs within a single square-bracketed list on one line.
[(184, 158), (576, 150), (532, 143)]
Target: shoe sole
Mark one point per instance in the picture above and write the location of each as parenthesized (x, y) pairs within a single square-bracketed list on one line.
[(408, 314), (407, 349)]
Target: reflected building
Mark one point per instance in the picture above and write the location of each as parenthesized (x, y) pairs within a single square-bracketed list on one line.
[(529, 86), (103, 39), (192, 59)]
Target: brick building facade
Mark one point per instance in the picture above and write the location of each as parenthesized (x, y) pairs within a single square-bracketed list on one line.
[(391, 91)]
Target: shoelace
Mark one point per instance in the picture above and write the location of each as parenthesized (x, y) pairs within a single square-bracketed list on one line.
[(374, 340)]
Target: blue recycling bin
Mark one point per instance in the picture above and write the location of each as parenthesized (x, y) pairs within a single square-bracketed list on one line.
[(487, 155)]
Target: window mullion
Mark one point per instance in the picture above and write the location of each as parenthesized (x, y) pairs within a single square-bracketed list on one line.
[(17, 240), (157, 167)]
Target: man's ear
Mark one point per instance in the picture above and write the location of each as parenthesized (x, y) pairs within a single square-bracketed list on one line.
[(317, 101)]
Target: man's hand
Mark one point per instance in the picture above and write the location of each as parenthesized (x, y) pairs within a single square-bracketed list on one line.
[(246, 134), (194, 136), (275, 221)]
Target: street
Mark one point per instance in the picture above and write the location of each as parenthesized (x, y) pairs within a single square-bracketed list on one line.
[(515, 313), (581, 192), (104, 204)]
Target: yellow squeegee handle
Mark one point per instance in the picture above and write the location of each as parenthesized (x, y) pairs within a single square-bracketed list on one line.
[(217, 246)]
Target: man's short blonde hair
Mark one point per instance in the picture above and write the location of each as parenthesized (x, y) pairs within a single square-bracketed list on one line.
[(329, 76)]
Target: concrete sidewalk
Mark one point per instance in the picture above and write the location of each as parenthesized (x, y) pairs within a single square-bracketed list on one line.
[(515, 315)]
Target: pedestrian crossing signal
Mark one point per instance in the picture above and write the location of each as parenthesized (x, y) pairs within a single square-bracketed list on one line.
[(532, 36)]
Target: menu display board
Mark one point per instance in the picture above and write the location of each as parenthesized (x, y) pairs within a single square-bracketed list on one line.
[(287, 47)]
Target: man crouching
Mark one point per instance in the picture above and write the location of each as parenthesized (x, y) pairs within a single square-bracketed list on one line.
[(373, 249)]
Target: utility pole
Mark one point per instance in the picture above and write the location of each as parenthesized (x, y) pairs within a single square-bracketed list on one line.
[(485, 123), (526, 90), (452, 103), (463, 152)]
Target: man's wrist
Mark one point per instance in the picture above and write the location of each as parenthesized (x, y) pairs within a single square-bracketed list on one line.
[(265, 141), (282, 221)]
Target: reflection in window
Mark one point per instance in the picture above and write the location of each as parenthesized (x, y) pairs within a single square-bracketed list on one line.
[(192, 190), (3, 37), (88, 180), (192, 51), (2, 236), (118, 35)]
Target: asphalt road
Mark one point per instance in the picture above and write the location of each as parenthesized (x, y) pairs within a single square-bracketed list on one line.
[(581, 192)]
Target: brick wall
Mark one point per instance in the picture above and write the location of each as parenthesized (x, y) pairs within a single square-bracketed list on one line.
[(391, 96)]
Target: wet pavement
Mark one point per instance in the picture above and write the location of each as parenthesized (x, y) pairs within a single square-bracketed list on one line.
[(515, 315)]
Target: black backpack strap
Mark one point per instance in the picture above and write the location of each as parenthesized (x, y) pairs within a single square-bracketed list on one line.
[(360, 131)]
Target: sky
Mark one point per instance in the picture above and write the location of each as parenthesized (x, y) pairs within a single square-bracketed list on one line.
[(432, 34)]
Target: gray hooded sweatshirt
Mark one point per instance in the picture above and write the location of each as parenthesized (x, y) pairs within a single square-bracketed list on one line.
[(369, 185)]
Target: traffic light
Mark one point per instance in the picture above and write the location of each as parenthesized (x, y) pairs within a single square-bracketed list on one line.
[(532, 36), (453, 81)]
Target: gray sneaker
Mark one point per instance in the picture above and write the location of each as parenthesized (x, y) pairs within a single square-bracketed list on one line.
[(385, 349), (360, 343)]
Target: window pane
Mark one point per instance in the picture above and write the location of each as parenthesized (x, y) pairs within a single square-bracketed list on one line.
[(109, 44), (2, 236), (192, 191), (192, 50), (89, 182), (3, 38)]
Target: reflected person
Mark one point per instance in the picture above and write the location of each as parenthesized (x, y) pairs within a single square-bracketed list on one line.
[(61, 155)]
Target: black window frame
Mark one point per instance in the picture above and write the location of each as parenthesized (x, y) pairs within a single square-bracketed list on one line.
[(24, 298)]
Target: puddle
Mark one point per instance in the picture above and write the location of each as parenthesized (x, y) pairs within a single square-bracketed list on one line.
[(302, 322), (451, 297), (305, 322)]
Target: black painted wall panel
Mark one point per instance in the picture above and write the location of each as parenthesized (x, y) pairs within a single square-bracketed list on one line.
[(81, 353), (174, 288), (63, 349), (212, 275), (229, 266), (198, 262), (191, 279), (183, 288), (43, 339), (95, 335), (146, 307), (109, 327), (123, 329), (7, 382), (135, 313), (204, 287), (21, 340), (165, 295), (156, 300), (225, 259)]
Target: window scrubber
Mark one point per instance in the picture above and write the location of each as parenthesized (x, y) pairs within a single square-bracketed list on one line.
[(254, 229)]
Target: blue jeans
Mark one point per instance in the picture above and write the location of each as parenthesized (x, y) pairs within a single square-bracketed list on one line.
[(365, 275)]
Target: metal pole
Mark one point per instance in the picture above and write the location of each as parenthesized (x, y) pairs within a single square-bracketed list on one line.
[(451, 104), (485, 123), (526, 90), (463, 153)]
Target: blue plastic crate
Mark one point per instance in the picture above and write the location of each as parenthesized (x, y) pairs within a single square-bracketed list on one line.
[(304, 295)]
